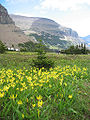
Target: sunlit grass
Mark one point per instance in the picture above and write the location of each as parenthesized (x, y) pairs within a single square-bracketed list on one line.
[(32, 94), (59, 94)]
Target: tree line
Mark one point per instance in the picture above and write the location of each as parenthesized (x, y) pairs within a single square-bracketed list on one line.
[(32, 47), (78, 49)]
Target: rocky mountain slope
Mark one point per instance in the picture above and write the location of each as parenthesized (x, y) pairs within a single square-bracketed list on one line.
[(52, 34), (9, 33), (4, 17)]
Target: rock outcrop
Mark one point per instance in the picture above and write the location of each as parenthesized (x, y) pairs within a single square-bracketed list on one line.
[(10, 34), (4, 17)]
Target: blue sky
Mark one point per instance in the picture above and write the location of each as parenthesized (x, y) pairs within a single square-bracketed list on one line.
[(74, 14)]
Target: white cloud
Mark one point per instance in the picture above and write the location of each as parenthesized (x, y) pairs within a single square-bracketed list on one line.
[(78, 18), (78, 21), (63, 4), (24, 14)]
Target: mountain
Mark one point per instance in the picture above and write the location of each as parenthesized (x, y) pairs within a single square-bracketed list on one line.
[(87, 40), (10, 34), (4, 17), (53, 34)]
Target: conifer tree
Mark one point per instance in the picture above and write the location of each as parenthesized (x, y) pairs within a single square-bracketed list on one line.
[(2, 47)]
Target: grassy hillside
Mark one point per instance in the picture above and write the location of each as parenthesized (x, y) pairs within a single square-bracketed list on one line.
[(52, 99)]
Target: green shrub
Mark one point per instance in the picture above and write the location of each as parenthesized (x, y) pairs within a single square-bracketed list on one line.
[(46, 63), (23, 50), (2, 47), (42, 60)]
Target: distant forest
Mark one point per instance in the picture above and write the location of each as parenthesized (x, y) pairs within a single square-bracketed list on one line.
[(78, 49)]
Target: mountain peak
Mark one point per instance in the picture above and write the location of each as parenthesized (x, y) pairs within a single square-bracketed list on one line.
[(4, 17)]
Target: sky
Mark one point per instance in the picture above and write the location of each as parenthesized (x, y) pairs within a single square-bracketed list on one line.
[(74, 14)]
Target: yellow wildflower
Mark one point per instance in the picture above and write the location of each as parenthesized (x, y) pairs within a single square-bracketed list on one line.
[(13, 97), (22, 115), (17, 88), (60, 83), (27, 99), (39, 97), (21, 89), (0, 89), (70, 96), (5, 88), (65, 84), (33, 105), (40, 103), (84, 69), (19, 102), (2, 94)]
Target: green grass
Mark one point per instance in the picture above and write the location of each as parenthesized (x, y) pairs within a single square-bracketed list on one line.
[(75, 109)]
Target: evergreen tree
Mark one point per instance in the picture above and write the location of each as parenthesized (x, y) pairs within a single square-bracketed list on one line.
[(84, 49), (42, 60), (2, 47), (81, 49)]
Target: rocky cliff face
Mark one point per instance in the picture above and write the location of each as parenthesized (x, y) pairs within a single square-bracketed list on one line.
[(50, 26), (10, 34), (4, 17)]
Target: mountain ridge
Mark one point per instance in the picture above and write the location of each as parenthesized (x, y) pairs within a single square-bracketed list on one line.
[(46, 29), (15, 29), (39, 19)]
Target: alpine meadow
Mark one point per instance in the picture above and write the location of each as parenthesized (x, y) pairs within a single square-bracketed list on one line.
[(44, 65)]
